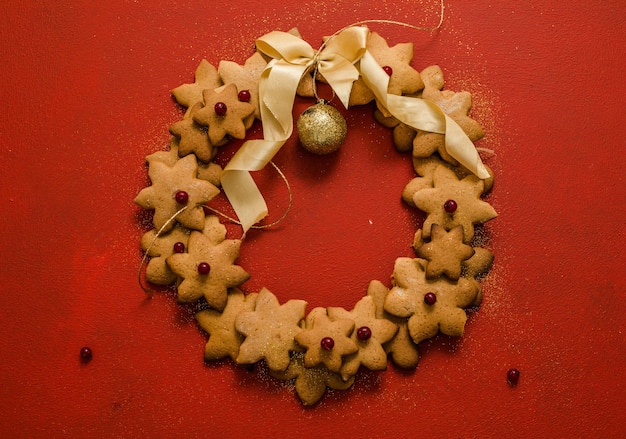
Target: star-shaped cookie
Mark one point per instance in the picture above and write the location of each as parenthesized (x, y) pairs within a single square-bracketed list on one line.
[(369, 335), (468, 209), (319, 329), (404, 79), (224, 340), (245, 77), (455, 105), (445, 252), (403, 351), (269, 331), (167, 182), (193, 137), (432, 306), (206, 77), (311, 382), (159, 248), (208, 268), (229, 119)]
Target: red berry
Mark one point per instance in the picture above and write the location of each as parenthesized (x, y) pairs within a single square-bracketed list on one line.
[(86, 354), (363, 333), (430, 298), (327, 343), (450, 206), (220, 108), (204, 268), (181, 197), (179, 247), (512, 376), (244, 96), (388, 70)]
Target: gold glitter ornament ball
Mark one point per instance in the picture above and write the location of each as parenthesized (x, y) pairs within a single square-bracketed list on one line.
[(321, 128)]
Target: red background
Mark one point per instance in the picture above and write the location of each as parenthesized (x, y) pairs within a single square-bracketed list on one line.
[(86, 94)]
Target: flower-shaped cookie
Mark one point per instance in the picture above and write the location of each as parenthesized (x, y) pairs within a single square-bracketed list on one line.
[(159, 248), (207, 77), (431, 306), (445, 252), (224, 113), (174, 188), (455, 105), (369, 335), (326, 341), (452, 202), (311, 382), (403, 351), (208, 269), (224, 340), (270, 330)]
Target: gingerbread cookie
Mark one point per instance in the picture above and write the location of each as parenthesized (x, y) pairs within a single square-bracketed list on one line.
[(369, 335), (326, 341), (401, 348), (176, 195), (246, 78), (311, 382), (225, 114), (431, 306), (193, 138), (452, 202), (207, 78), (159, 248), (208, 267), (445, 252), (269, 331), (224, 340)]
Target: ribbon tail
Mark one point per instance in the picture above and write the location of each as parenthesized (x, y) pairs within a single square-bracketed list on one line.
[(422, 115)]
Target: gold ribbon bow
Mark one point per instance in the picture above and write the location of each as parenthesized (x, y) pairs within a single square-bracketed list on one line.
[(292, 57)]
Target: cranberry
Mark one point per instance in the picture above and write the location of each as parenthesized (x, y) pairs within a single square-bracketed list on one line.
[(512, 376), (450, 206), (363, 333), (244, 96), (179, 247), (388, 70), (86, 354), (204, 268), (181, 197), (327, 343), (220, 108), (430, 298)]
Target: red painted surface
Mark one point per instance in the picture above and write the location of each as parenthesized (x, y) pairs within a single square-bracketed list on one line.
[(85, 87)]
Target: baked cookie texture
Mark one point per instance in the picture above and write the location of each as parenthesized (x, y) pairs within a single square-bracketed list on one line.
[(321, 350)]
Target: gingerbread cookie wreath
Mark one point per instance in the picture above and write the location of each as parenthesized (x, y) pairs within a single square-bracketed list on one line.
[(188, 248)]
